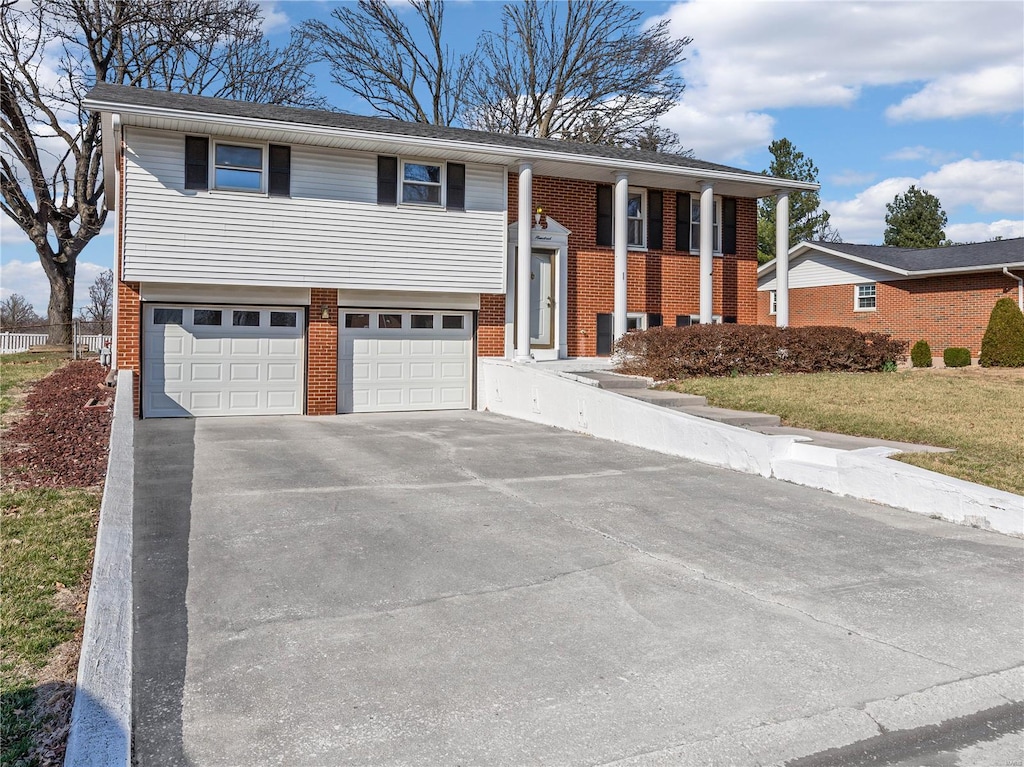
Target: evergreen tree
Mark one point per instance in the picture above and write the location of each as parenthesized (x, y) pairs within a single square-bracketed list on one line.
[(915, 220), (806, 220)]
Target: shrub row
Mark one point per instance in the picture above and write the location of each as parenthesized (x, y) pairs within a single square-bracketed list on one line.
[(719, 350)]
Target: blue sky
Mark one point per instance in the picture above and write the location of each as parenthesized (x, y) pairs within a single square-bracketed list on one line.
[(881, 95)]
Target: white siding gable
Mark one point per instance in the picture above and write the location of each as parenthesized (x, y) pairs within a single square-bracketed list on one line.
[(817, 269), (330, 232)]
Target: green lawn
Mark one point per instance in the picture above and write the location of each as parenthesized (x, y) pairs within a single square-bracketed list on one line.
[(979, 412), (46, 543)]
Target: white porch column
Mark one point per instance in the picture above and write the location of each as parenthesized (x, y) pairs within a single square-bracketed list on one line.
[(707, 249), (523, 255), (782, 258), (620, 240)]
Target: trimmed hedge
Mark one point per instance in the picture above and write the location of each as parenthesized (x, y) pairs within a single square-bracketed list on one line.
[(956, 357), (1003, 342), (921, 355), (719, 350)]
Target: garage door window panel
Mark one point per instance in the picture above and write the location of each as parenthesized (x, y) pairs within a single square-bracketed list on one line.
[(162, 316), (207, 317), (389, 321), (453, 322), (422, 321), (283, 319), (357, 320), (245, 319)]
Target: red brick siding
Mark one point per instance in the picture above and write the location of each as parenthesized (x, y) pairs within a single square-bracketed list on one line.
[(322, 362), (490, 333), (944, 311), (659, 281)]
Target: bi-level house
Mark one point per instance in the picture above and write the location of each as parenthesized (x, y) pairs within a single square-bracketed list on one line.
[(273, 260)]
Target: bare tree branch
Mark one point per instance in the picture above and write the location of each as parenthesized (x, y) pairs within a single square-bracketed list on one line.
[(53, 51), (373, 54), (575, 70)]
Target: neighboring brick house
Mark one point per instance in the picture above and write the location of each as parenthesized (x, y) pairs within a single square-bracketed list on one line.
[(280, 260), (941, 295)]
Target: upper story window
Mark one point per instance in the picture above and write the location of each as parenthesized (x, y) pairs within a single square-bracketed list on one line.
[(238, 167), (421, 183), (636, 216), (865, 298), (695, 224), (260, 168)]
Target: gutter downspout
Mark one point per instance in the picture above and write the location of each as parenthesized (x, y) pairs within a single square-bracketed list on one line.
[(1020, 287)]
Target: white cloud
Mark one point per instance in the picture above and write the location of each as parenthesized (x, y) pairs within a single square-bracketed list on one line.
[(981, 232), (915, 153), (28, 279), (274, 19), (995, 90), (995, 186), (851, 178), (752, 56)]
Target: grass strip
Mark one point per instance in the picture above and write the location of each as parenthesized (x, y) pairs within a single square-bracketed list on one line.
[(977, 412), (46, 543)]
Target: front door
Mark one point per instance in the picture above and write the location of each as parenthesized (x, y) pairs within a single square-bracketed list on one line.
[(542, 300)]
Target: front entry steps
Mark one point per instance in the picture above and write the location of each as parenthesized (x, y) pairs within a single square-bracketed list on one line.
[(693, 404)]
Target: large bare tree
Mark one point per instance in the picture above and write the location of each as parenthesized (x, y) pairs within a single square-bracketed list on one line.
[(579, 69), (53, 51), (374, 54)]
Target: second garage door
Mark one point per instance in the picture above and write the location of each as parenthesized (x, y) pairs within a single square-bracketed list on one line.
[(394, 360)]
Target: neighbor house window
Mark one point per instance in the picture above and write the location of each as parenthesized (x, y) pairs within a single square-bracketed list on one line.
[(695, 222), (773, 298), (421, 183), (636, 219), (636, 321), (237, 167), (865, 299)]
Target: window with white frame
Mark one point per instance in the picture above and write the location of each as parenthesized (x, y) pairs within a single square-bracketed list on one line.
[(636, 219), (716, 234), (636, 321), (865, 298), (238, 167), (421, 183), (773, 298)]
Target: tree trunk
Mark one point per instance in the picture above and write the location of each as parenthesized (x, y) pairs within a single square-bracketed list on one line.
[(62, 302)]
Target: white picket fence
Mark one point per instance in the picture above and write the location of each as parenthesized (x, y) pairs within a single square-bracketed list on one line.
[(10, 343)]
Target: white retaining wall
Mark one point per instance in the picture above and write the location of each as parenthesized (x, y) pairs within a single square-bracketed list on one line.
[(101, 717), (532, 394)]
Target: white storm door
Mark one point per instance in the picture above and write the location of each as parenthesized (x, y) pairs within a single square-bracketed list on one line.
[(222, 360), (397, 360), (542, 300)]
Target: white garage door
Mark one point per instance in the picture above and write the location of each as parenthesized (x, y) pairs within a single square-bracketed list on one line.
[(392, 360), (222, 360)]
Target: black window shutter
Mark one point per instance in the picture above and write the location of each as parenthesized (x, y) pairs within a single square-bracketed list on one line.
[(197, 162), (387, 180), (683, 320), (682, 222), (280, 170), (605, 333), (654, 321), (456, 186), (655, 208), (604, 218), (729, 226)]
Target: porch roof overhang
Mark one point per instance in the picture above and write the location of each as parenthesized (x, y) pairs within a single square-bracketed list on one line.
[(255, 122)]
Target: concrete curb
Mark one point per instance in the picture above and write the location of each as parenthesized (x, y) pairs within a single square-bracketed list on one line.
[(525, 392), (101, 717)]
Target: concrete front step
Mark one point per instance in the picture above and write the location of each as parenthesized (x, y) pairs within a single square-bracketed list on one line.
[(664, 398), (733, 417), (614, 380)]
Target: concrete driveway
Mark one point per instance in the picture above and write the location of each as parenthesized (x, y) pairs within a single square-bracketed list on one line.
[(465, 589)]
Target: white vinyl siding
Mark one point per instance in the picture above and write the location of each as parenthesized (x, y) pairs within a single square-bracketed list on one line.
[(823, 269), (329, 232)]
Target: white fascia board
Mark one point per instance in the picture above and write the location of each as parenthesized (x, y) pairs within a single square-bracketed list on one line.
[(770, 183), (966, 269), (110, 143)]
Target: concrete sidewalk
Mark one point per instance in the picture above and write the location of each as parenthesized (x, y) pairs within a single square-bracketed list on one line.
[(462, 588)]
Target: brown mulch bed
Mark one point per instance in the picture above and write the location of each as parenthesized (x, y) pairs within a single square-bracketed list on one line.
[(59, 442)]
